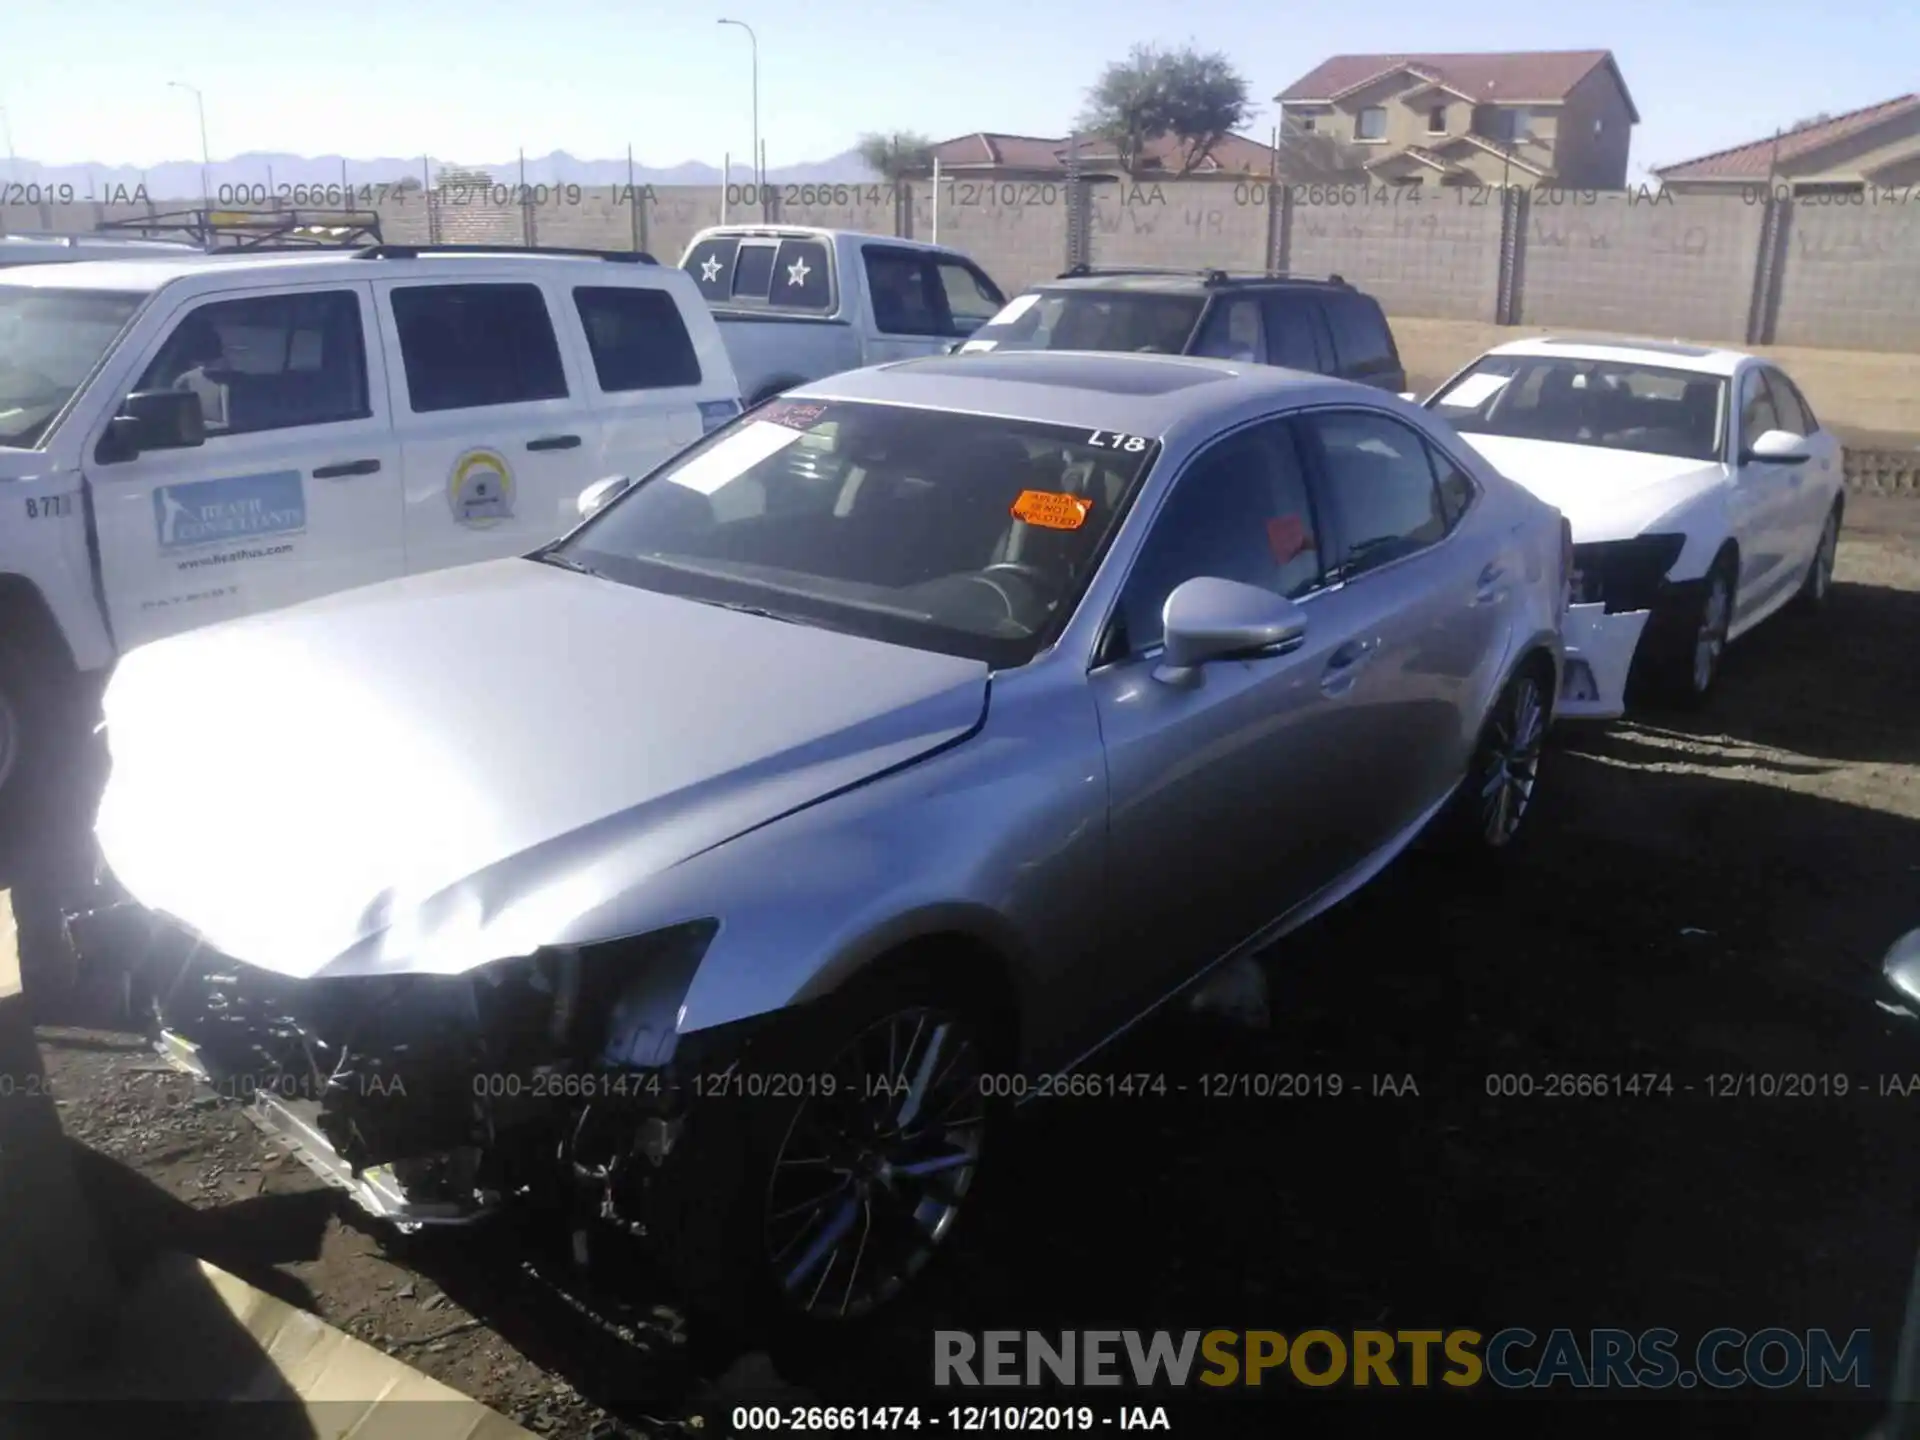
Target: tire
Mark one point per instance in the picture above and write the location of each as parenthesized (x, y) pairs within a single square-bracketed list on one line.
[(1690, 671), (28, 718), (737, 1227), (1817, 588), (1500, 789)]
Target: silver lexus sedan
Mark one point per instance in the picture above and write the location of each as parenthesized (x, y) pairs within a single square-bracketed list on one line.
[(721, 868)]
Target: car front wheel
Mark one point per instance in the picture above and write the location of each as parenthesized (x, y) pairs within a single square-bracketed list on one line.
[(1693, 667), (827, 1175)]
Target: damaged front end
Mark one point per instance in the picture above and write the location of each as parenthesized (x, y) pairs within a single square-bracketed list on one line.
[(430, 1099)]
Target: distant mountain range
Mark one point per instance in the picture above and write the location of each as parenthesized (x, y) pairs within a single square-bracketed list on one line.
[(180, 179)]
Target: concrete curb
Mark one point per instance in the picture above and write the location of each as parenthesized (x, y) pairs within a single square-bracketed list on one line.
[(75, 1344)]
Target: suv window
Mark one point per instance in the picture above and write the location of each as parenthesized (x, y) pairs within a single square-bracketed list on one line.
[(1295, 332), (1381, 482), (465, 346), (972, 299), (1786, 404), (1232, 331), (638, 340), (1361, 340), (1757, 415), (268, 362), (1241, 511)]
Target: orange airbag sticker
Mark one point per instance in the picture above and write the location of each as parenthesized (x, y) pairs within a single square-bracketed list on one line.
[(1052, 509)]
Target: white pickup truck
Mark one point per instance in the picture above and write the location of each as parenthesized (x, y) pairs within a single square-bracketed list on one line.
[(192, 439), (796, 303)]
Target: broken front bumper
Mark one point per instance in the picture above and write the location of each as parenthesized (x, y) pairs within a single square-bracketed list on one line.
[(1600, 650), (392, 1192)]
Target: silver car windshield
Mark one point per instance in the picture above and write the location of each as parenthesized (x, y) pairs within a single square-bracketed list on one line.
[(1613, 404), (1093, 320), (969, 534), (50, 340)]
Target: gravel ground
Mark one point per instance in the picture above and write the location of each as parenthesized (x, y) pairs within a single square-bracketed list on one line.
[(1701, 897)]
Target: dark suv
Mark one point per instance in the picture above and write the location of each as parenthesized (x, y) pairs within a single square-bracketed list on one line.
[(1325, 326)]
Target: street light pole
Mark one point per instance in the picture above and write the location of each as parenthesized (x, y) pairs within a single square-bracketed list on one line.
[(753, 41), (6, 132), (200, 104)]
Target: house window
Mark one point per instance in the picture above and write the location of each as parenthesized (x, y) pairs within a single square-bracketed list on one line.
[(1371, 124), (1437, 120), (1306, 124), (1513, 126)]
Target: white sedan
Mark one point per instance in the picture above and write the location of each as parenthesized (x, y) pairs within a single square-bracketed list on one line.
[(1703, 495)]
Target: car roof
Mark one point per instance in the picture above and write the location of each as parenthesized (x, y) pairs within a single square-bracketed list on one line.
[(1672, 354), (1101, 390), (1185, 283), (151, 272)]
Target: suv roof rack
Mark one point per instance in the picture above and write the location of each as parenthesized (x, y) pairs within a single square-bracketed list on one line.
[(410, 252), (295, 229), (1208, 275)]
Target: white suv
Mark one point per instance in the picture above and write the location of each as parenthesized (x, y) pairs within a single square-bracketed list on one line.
[(190, 440)]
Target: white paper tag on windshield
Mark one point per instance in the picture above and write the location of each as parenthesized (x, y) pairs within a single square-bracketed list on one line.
[(734, 456), (1474, 391), (976, 345), (1015, 309)]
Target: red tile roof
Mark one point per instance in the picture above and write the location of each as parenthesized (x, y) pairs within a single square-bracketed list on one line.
[(991, 150), (1755, 159), (1545, 75)]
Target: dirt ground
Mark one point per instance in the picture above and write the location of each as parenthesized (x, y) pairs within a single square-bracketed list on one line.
[(1700, 897), (1870, 398)]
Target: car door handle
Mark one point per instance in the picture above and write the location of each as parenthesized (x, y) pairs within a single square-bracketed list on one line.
[(346, 467), (1345, 664), (1489, 588), (554, 442)]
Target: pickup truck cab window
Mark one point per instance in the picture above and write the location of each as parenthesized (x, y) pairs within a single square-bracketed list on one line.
[(787, 274), (468, 346), (908, 296), (268, 362)]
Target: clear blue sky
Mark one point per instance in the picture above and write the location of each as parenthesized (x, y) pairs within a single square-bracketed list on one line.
[(477, 80)]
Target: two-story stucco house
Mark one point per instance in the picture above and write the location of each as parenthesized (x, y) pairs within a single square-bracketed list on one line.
[(1560, 117)]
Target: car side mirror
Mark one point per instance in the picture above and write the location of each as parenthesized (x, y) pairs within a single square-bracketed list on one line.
[(1212, 619), (1902, 967), (156, 420), (597, 496), (1780, 447)]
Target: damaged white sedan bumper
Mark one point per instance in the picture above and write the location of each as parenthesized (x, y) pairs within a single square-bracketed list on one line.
[(1600, 649)]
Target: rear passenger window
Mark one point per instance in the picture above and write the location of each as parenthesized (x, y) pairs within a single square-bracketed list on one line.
[(1293, 333), (268, 363), (1456, 489), (1232, 332), (1360, 338), (1382, 484), (638, 340), (465, 346)]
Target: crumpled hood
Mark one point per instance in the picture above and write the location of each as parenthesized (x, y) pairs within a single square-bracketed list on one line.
[(449, 769), (1605, 494)]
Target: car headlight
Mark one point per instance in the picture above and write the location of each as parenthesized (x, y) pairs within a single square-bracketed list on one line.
[(1624, 574)]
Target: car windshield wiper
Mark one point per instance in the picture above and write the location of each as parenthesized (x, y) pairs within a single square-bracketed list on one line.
[(567, 562)]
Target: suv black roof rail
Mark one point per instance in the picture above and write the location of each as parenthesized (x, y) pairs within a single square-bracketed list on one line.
[(1208, 275), (410, 252), (295, 229)]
